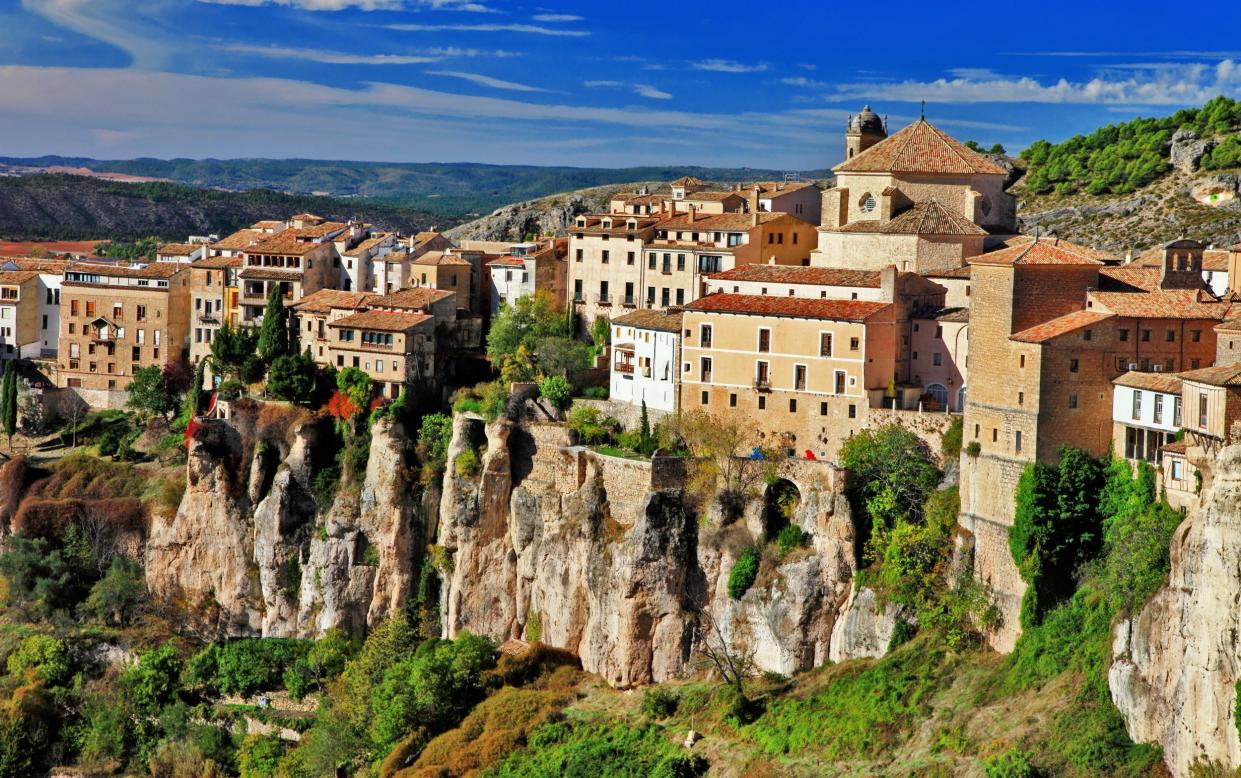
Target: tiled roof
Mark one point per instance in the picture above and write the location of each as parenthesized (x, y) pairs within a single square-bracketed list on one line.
[(796, 274), (1039, 251), (1161, 304), (920, 148), (440, 258), (925, 218), (777, 187), (319, 230), (270, 274), (366, 245), (1168, 383), (957, 272), (712, 196), (382, 321), (1220, 375), (305, 217), (957, 315), (153, 270), (33, 263), (506, 261), (796, 307), (1229, 325), (648, 319), (177, 249), (736, 222), (1215, 260), (17, 276), (240, 239), (324, 300), (1176, 447), (267, 224), (687, 181), (416, 298), (1129, 277), (285, 242), (1070, 322), (216, 263)]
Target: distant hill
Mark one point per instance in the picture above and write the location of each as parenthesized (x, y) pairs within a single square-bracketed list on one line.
[(451, 189), (66, 207)]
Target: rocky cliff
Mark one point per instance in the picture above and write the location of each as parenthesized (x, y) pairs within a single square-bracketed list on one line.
[(1176, 662), (550, 215), (256, 554)]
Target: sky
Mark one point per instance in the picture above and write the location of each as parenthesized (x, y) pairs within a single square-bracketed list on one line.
[(712, 83)]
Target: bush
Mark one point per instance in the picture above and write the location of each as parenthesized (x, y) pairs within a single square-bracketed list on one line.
[(115, 597), (259, 756), (659, 703), (557, 391), (744, 571), (44, 657), (245, 666), (466, 464), (973, 449), (951, 445), (1013, 763), (592, 427), (154, 681), (595, 392), (434, 437), (599, 748), (292, 378), (790, 538)]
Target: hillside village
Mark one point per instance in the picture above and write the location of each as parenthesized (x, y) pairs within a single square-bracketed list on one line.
[(793, 318)]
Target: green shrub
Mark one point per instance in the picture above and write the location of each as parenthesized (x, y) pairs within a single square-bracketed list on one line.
[(259, 756), (245, 666), (1013, 763), (556, 390), (950, 447), (790, 538), (973, 449), (599, 748), (371, 556), (659, 703), (592, 427), (154, 681), (595, 392), (42, 656), (744, 571), (326, 483), (466, 464)]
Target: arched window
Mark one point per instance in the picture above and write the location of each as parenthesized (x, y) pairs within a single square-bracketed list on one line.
[(961, 399), (939, 393), (867, 203)]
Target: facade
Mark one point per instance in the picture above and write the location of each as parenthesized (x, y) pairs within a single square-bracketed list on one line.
[(1179, 477), (645, 359), (116, 319), (394, 348), (298, 261), (51, 274), (1211, 398), (939, 358), (213, 295), (522, 270), (312, 314), (800, 370), (180, 252), (605, 262), (1146, 415), (19, 314), (451, 272)]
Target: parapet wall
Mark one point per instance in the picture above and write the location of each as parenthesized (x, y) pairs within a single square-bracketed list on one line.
[(928, 425)]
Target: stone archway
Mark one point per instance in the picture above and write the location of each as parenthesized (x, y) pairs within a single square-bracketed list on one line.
[(781, 500)]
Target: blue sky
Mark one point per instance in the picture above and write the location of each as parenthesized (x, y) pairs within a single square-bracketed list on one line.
[(629, 83)]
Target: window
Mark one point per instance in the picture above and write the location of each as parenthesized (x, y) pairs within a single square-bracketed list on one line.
[(73, 307), (90, 307), (792, 406), (977, 428), (135, 354), (118, 311), (680, 297), (852, 411), (822, 409), (762, 402), (577, 290), (629, 258), (1195, 336), (1176, 469), (1202, 410), (1072, 365), (937, 358), (995, 435), (603, 292), (1171, 336), (1124, 335), (1137, 405), (1146, 336), (650, 264), (142, 313), (650, 297), (867, 203), (1021, 398), (706, 370), (664, 296), (577, 256), (1158, 408), (838, 383), (628, 293), (1072, 401), (764, 340), (1088, 335), (705, 336), (825, 344), (854, 344), (1021, 361), (799, 377), (680, 261), (1017, 442), (706, 397), (732, 400), (605, 256)]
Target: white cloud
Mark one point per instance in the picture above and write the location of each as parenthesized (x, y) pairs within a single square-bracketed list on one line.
[(362, 5), (602, 83), (803, 81), (533, 29), (1186, 84), (978, 74), (646, 90), (328, 57), (558, 18), (728, 66), (110, 21), (481, 80)]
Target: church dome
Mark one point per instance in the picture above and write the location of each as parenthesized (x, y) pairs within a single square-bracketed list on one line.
[(866, 122)]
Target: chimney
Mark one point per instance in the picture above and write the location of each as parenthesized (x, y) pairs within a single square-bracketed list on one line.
[(690, 215), (754, 200), (887, 284)]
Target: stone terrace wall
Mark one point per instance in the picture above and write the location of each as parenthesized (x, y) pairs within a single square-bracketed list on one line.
[(629, 415), (927, 425)]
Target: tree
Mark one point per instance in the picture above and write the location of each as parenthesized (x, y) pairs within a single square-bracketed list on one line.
[(356, 384), (151, 390), (274, 335), (557, 391), (193, 400), (154, 681), (522, 325), (892, 464), (292, 378), (8, 402), (646, 444), (727, 464), (231, 348)]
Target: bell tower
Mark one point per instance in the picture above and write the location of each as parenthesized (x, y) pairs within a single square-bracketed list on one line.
[(863, 131)]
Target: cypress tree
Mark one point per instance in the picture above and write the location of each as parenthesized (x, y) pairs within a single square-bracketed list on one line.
[(9, 408), (274, 334), (644, 433), (194, 399)]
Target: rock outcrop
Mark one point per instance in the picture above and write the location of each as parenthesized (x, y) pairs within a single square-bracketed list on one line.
[(1187, 149), (603, 556), (865, 628), (1175, 663)]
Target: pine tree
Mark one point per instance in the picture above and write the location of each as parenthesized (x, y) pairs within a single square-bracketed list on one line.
[(644, 433), (274, 334), (8, 407)]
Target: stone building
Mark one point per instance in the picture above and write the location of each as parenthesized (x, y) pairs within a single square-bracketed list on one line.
[(297, 260), (51, 275), (1053, 327), (394, 348), (646, 355), (19, 314), (213, 291), (525, 268)]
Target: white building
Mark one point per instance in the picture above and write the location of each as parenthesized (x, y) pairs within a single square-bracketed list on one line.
[(510, 280), (1146, 414), (51, 273), (646, 348)]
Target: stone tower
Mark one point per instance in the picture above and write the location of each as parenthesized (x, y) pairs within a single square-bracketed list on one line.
[(863, 131)]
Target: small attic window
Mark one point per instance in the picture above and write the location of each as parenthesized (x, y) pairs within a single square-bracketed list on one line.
[(867, 203), (985, 205)]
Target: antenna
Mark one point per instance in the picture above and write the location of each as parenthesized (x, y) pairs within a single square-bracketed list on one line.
[(923, 113)]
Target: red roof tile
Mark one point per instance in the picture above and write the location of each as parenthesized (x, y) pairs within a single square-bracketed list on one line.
[(795, 274), (1036, 251), (796, 307), (1168, 383), (1063, 325), (1220, 375), (382, 321), (920, 148), (1161, 304), (648, 319), (925, 218), (414, 299), (324, 300)]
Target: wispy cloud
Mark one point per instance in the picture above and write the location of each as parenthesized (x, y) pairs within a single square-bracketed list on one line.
[(728, 66), (363, 5), (978, 74), (646, 90), (1188, 84), (532, 29), (803, 81), (596, 84), (112, 22), (488, 81), (558, 18), (328, 57)]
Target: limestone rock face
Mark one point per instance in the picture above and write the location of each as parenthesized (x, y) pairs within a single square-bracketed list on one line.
[(601, 556), (1187, 149), (1176, 662), (864, 629)]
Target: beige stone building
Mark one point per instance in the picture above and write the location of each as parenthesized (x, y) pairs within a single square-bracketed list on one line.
[(116, 319), (214, 297), (394, 348), (297, 260), (19, 314)]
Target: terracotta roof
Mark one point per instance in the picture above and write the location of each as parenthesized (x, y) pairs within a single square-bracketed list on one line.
[(1038, 251), (920, 148), (686, 181), (416, 298), (712, 196), (17, 276), (506, 261), (1229, 325), (177, 249), (1220, 375), (270, 274), (957, 272), (1128, 278), (736, 222), (424, 236), (153, 270), (630, 198), (797, 307), (648, 319), (1063, 325), (1175, 447), (324, 300), (267, 224), (959, 315), (796, 274), (777, 187), (924, 218), (305, 217), (1168, 383), (319, 230), (241, 239), (286, 243), (216, 263), (382, 321), (1215, 260), (367, 245), (440, 258), (1161, 304), (32, 263)]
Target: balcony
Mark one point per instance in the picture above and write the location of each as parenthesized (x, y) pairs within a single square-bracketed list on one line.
[(624, 367), (630, 302), (207, 318), (603, 299), (762, 384)]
